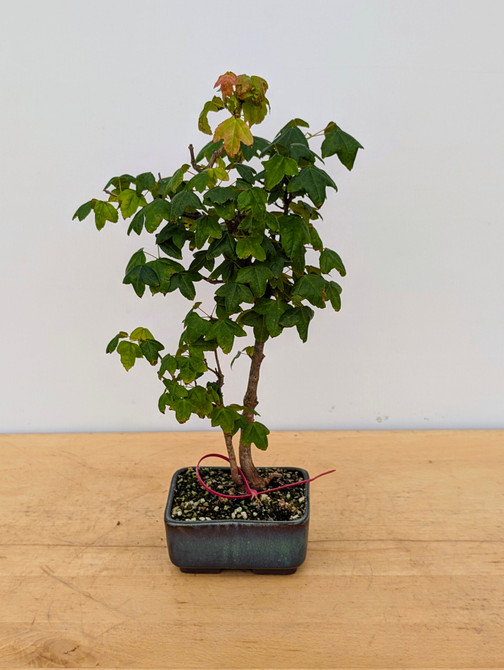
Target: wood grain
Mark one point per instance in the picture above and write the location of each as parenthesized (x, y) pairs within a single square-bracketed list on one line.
[(405, 566)]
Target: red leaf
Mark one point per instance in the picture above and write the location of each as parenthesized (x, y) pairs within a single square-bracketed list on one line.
[(226, 82)]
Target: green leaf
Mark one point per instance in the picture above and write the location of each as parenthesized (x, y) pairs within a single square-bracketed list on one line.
[(271, 222), (299, 317), (175, 389), (315, 240), (170, 184), (213, 105), (272, 311), (333, 291), (256, 276), (312, 288), (255, 433), (208, 150), (129, 352), (253, 200), (201, 260), (112, 345), (171, 249), (216, 174), (258, 323), (207, 227), (138, 258), (250, 246), (314, 181), (254, 113), (183, 409), (246, 172), (330, 260), (214, 392), (294, 234), (201, 400), (298, 122), (301, 152), (276, 168), (199, 182), (304, 210), (252, 225), (150, 349), (83, 211), (277, 263), (259, 147), (155, 212), (183, 200), (141, 334), (145, 182), (168, 364), (234, 294), (220, 195), (225, 418), (195, 327), (184, 282), (104, 211), (139, 277), (288, 136), (163, 402), (236, 357), (121, 182), (223, 247), (137, 223), (224, 331), (173, 233), (340, 143), (129, 202), (164, 268), (226, 211), (190, 368), (234, 132)]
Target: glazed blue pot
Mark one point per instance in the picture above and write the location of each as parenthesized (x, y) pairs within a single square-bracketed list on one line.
[(265, 547)]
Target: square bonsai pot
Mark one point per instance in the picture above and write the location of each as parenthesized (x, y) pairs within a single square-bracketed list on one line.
[(265, 547)]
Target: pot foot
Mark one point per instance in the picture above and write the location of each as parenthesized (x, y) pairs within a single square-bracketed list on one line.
[(281, 571), (202, 571)]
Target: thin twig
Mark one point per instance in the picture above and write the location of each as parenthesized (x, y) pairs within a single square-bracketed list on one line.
[(220, 374), (213, 281)]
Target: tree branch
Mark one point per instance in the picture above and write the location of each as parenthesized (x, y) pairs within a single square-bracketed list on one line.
[(193, 159), (216, 154), (250, 402)]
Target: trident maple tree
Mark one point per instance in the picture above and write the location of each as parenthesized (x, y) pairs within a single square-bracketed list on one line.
[(245, 209)]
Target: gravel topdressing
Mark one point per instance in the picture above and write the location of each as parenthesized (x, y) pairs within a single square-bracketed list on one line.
[(193, 503)]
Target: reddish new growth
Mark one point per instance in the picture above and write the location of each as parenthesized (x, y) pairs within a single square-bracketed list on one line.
[(226, 82)]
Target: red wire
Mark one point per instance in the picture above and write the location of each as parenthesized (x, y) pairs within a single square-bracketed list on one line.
[(251, 493)]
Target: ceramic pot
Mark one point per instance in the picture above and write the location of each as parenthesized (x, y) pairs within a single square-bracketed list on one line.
[(265, 547)]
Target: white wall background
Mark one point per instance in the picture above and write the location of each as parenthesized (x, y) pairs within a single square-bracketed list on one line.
[(97, 88)]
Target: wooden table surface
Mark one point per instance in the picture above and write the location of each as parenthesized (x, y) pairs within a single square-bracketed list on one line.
[(405, 565)]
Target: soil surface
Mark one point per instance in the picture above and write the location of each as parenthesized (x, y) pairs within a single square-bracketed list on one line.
[(193, 503)]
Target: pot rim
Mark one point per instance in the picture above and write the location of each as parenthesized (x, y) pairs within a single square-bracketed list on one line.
[(169, 519)]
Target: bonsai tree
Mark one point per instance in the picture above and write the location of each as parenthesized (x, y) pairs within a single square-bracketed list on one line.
[(239, 216)]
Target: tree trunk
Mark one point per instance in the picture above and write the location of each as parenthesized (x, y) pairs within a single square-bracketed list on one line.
[(235, 475), (250, 403)]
